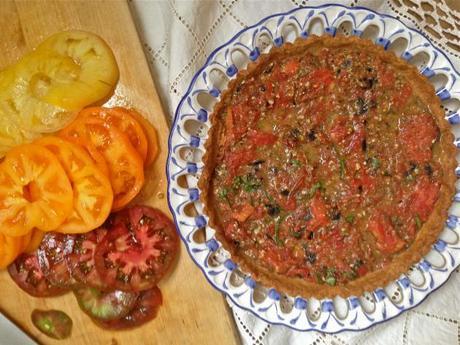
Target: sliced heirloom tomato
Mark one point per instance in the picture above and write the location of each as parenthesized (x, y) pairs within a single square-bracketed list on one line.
[(387, 239), (145, 309), (105, 306), (24, 96), (35, 191), (27, 274), (417, 133), (91, 71), (81, 259), (51, 257), (121, 118), (138, 250), (93, 196), (35, 240), (150, 133), (126, 168), (54, 323), (11, 247)]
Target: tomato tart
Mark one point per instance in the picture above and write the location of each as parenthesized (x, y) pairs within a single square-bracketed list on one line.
[(329, 167)]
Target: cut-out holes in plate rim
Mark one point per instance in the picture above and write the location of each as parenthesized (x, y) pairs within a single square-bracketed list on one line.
[(189, 133)]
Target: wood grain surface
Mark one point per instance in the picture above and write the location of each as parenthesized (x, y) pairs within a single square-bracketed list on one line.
[(193, 312)]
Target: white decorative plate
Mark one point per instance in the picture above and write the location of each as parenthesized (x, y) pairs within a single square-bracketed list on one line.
[(186, 147)]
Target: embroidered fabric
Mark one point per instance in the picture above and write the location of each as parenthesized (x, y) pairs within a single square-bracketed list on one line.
[(178, 36)]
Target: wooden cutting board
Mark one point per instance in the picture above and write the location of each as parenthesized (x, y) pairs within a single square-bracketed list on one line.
[(193, 312)]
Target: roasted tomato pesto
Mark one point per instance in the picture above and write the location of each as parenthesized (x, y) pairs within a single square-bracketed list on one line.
[(325, 163)]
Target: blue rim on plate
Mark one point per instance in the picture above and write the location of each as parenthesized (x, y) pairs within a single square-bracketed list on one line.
[(185, 149)]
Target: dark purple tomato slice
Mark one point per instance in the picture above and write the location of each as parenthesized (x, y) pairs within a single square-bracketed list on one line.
[(51, 257), (54, 323), (145, 309), (105, 306), (81, 259), (27, 274), (138, 250)]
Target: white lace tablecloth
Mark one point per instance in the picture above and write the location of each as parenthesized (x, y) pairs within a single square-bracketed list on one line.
[(178, 36)]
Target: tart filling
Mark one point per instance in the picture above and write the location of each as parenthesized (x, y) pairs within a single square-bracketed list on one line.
[(329, 167)]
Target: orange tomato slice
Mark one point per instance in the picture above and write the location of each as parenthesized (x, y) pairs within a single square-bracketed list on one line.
[(96, 156), (122, 119), (35, 240), (93, 196), (10, 248), (126, 171), (35, 191), (150, 133), (25, 240)]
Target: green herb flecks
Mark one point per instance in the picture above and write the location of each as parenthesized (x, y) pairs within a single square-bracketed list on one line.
[(375, 163), (350, 218), (330, 277), (296, 163), (317, 186), (278, 221), (396, 221), (299, 233), (249, 183), (269, 197), (350, 275), (418, 221), (330, 281), (223, 195), (342, 168)]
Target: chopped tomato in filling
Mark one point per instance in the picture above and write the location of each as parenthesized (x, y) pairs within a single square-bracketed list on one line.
[(325, 169)]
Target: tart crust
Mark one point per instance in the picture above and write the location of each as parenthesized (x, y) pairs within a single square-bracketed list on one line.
[(426, 236)]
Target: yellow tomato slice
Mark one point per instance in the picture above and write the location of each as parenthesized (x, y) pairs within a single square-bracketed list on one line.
[(7, 77), (91, 71), (126, 171), (150, 133), (35, 191), (25, 95), (12, 133), (121, 119), (93, 194)]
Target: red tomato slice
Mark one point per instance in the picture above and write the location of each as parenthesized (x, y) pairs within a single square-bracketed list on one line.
[(387, 239), (423, 198), (51, 257), (138, 250), (402, 96), (145, 309), (243, 213), (105, 306), (239, 119), (319, 213), (417, 134), (81, 260), (339, 130), (27, 274), (316, 83), (387, 78), (238, 158), (262, 138)]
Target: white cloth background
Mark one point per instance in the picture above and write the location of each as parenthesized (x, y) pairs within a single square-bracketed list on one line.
[(178, 36)]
